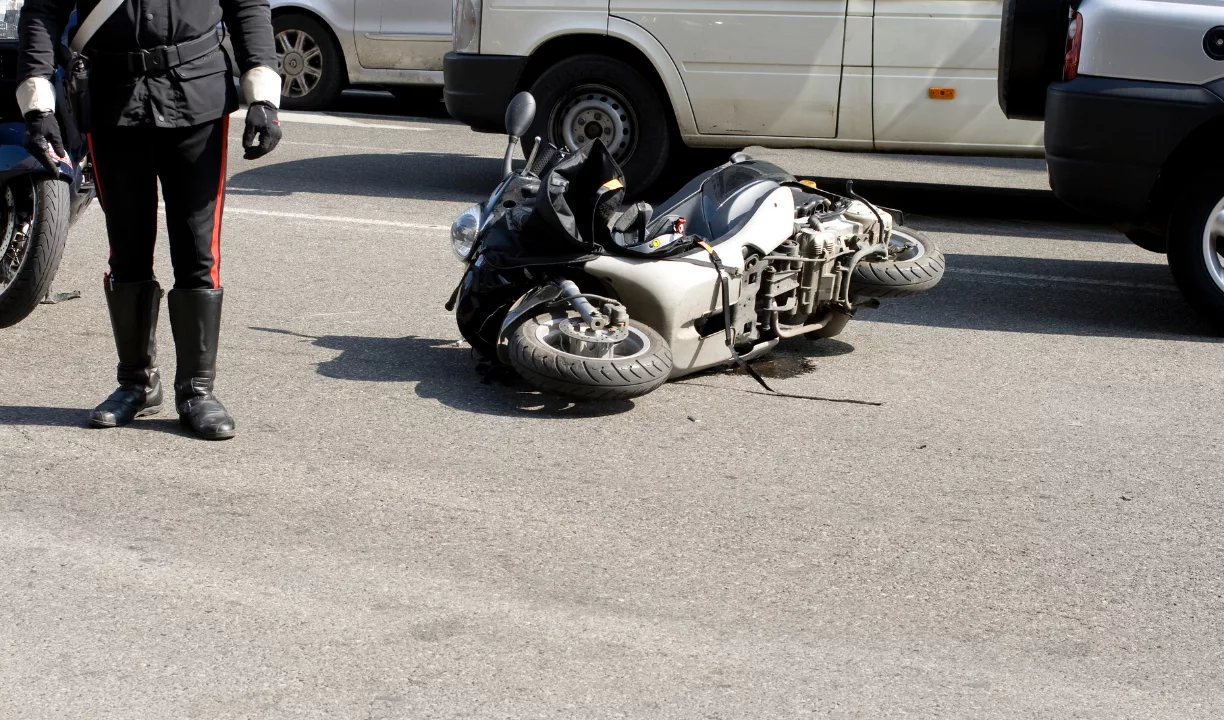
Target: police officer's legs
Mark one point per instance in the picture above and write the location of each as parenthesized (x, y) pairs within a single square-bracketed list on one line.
[(127, 190), (191, 166)]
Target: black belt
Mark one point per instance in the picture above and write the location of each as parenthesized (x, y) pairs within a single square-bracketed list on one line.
[(156, 59)]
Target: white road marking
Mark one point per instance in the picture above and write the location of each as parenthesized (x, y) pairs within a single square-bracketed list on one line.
[(334, 218), (237, 140), (1062, 279), (326, 119)]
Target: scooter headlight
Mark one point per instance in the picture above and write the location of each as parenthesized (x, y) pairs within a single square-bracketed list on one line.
[(465, 231)]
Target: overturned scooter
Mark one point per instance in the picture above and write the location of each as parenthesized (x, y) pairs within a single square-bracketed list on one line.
[(591, 298)]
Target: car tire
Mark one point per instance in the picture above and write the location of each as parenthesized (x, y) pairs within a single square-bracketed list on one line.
[(1193, 235), (311, 65), (615, 103), (1032, 45)]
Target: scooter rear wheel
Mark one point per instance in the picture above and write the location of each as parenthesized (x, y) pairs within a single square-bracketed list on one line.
[(639, 364), (917, 268), (34, 225)]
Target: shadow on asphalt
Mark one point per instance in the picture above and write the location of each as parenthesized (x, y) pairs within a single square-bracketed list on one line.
[(1019, 227), (166, 421), (422, 102), (1046, 296), (44, 416), (407, 176), (445, 371)]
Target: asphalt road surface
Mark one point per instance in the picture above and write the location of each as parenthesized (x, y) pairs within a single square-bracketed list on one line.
[(1030, 526)]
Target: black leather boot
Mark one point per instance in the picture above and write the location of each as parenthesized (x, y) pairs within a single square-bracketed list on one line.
[(195, 318), (133, 313)]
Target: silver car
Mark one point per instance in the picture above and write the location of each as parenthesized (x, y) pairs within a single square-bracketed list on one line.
[(327, 45)]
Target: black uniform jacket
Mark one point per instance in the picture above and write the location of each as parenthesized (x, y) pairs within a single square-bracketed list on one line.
[(195, 92)]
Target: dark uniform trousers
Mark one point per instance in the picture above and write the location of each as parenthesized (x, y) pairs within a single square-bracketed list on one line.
[(190, 163)]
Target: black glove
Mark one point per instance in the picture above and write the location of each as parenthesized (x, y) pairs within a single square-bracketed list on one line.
[(263, 130), (42, 139)]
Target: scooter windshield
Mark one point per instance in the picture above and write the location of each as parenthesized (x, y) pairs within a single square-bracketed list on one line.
[(732, 195)]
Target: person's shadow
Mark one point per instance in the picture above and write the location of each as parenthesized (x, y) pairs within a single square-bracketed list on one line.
[(43, 416), (446, 371), (165, 421)]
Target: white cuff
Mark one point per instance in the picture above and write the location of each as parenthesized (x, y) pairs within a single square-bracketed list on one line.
[(261, 84), (37, 93)]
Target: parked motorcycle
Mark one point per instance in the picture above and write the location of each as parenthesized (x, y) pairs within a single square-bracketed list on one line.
[(591, 298), (36, 206)]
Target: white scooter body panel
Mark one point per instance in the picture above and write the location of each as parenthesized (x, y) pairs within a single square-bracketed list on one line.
[(672, 295)]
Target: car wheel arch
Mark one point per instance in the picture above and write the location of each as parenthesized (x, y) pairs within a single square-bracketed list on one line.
[(562, 47), (1205, 144)]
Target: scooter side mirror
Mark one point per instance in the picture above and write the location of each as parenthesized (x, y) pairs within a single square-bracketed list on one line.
[(520, 114)]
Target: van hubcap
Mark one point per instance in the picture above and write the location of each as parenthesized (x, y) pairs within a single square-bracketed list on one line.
[(595, 112)]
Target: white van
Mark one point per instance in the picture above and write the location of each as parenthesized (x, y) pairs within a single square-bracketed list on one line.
[(647, 75)]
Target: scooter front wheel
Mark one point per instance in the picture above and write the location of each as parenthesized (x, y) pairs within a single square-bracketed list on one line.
[(556, 353)]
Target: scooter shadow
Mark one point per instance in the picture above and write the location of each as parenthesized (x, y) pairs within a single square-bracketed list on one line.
[(446, 371)]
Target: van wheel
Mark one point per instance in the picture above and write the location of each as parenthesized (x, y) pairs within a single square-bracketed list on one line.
[(1196, 248), (592, 96), (311, 68)]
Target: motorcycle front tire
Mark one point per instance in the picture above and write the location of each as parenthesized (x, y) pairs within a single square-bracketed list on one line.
[(550, 369), (44, 202)]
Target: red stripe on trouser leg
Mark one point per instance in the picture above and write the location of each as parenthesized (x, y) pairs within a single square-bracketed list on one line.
[(217, 211), (93, 159)]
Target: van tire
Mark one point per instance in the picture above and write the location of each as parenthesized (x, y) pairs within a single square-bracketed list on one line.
[(648, 121), (1032, 45)]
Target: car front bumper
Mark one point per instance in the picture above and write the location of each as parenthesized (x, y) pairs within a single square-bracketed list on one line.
[(1107, 141), (479, 87)]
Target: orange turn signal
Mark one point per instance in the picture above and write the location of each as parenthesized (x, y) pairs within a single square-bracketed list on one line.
[(942, 93)]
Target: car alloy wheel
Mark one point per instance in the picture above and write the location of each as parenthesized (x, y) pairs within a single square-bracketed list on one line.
[(1213, 245), (301, 63)]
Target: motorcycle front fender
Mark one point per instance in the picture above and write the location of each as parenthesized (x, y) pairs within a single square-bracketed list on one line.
[(15, 160), (522, 309)]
